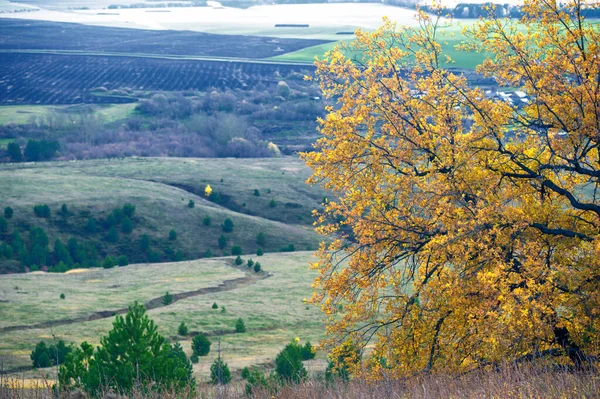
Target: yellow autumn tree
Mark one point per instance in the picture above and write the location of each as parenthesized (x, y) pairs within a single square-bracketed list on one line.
[(464, 229)]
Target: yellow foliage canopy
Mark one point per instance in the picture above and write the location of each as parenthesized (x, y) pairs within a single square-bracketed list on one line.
[(466, 229)]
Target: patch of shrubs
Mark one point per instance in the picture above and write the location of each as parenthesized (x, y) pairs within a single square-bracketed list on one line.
[(238, 261), (289, 248), (172, 235), (259, 252), (206, 220), (261, 239), (222, 242), (288, 363), (250, 263), (122, 260), (191, 204), (8, 212), (236, 250)]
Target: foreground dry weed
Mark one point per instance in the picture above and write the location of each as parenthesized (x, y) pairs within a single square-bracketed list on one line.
[(509, 382)]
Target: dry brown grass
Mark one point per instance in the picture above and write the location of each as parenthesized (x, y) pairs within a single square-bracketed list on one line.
[(510, 382)]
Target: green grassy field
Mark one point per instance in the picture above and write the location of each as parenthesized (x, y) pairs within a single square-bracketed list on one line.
[(21, 114), (450, 37), (161, 189), (271, 304)]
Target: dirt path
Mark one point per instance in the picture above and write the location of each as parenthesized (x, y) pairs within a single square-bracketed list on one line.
[(227, 285)]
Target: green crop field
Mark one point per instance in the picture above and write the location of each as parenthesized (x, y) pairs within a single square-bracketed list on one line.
[(450, 37), (271, 303)]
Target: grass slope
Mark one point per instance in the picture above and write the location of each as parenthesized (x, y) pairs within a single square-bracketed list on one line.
[(22, 114), (273, 308)]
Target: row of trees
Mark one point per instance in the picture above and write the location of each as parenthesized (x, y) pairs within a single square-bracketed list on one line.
[(35, 150)]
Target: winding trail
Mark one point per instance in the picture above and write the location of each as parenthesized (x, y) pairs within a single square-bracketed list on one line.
[(226, 285)]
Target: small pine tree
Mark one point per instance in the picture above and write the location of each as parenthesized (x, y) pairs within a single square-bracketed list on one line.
[(3, 225), (145, 242), (128, 210), (8, 212), (207, 220), (64, 211), (201, 345), (167, 299), (91, 226), (227, 225), (240, 327), (238, 261), (113, 235), (62, 296), (256, 192), (236, 250), (259, 252), (261, 239), (172, 235), (222, 241), (183, 329), (127, 226), (208, 253), (223, 310), (215, 306), (250, 263), (219, 372), (308, 351), (14, 152), (256, 267), (288, 363), (272, 204), (194, 358), (191, 204)]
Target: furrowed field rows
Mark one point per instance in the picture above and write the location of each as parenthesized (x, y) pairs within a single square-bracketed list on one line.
[(28, 78), (45, 35)]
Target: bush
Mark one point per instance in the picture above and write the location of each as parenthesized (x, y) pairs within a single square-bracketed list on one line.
[(227, 225), (42, 211), (3, 225), (238, 261), (219, 372), (256, 193), (272, 204), (167, 299), (261, 239), (207, 220), (215, 306), (113, 235), (194, 358), (62, 296), (122, 260), (289, 248), (172, 235), (109, 262), (201, 345), (208, 253), (256, 267), (191, 204), (236, 250), (127, 226), (259, 252), (222, 241), (240, 327), (46, 356), (182, 330), (64, 211), (250, 263), (288, 363), (223, 310), (8, 212)]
